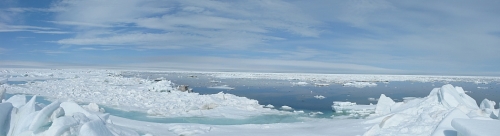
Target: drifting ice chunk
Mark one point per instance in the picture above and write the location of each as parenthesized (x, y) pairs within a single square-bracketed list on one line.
[(475, 127), (300, 83), (319, 97), (359, 84), (321, 84), (225, 87), (352, 107), (384, 105)]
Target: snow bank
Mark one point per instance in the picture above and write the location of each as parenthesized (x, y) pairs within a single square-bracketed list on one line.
[(53, 121)]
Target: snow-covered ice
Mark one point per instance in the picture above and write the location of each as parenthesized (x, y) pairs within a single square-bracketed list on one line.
[(52, 120), (352, 108), (447, 110), (319, 97), (475, 127), (359, 84), (223, 87), (300, 83)]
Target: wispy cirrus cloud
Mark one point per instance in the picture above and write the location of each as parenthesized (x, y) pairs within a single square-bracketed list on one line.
[(53, 52), (232, 24), (34, 29)]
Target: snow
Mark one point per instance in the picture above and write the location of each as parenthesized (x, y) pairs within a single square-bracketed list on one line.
[(94, 128), (431, 115), (475, 127), (444, 127), (136, 94), (445, 111), (52, 121)]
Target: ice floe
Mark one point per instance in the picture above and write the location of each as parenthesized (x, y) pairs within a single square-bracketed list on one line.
[(223, 87), (353, 109), (359, 84), (447, 110), (319, 97)]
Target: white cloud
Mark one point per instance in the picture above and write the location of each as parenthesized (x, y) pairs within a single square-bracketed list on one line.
[(52, 52), (154, 23), (455, 33), (34, 29), (263, 65)]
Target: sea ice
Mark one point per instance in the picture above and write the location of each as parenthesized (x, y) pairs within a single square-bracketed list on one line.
[(319, 97), (51, 121), (224, 87), (431, 115), (384, 105), (300, 83), (476, 127), (352, 108), (359, 84), (5, 109)]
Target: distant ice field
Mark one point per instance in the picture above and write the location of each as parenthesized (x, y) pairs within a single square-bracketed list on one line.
[(299, 94)]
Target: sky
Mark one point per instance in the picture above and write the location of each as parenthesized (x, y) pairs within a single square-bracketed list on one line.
[(446, 37)]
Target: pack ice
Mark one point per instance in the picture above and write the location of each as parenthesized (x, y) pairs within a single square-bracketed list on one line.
[(446, 111), (21, 118)]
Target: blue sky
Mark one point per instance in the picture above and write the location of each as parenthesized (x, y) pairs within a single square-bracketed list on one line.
[(324, 36)]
